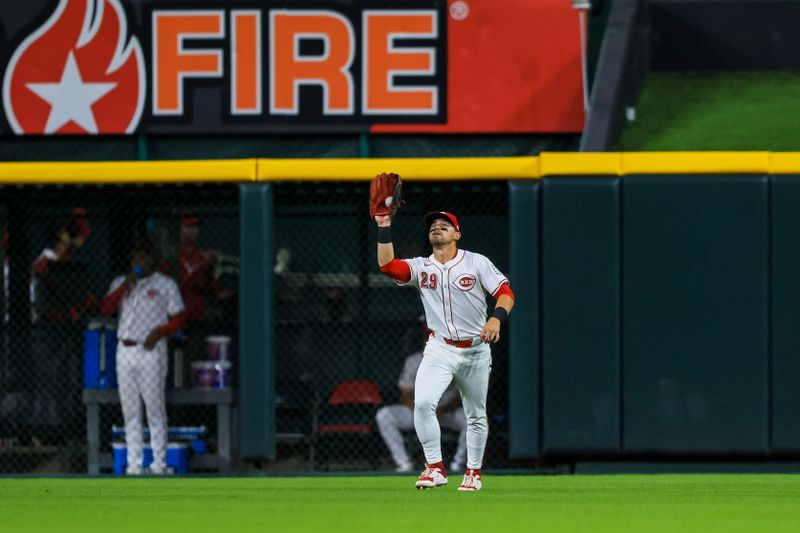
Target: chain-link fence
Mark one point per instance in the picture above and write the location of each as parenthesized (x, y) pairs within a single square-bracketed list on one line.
[(345, 331), (80, 304), (115, 293)]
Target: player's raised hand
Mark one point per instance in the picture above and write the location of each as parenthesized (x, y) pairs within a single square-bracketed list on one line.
[(383, 220), (491, 331)]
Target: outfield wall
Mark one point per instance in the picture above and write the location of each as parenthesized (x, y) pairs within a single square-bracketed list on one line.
[(412, 169), (656, 311)]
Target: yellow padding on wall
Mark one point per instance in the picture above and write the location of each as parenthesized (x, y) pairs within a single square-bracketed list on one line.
[(580, 164), (419, 169), (440, 168), (784, 163), (129, 171), (695, 162)]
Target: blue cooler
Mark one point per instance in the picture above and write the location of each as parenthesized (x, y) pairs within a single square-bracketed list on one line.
[(99, 355), (177, 457)]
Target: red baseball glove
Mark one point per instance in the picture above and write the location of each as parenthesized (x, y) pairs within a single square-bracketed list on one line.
[(385, 195)]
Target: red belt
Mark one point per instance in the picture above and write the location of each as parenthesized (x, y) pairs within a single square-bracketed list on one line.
[(126, 342), (457, 344)]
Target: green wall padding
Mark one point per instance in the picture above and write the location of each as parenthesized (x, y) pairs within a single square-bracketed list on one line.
[(581, 315), (256, 336), (695, 286), (785, 363), (524, 355)]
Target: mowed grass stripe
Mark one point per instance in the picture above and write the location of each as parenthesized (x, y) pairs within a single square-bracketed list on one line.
[(507, 503), (740, 110)]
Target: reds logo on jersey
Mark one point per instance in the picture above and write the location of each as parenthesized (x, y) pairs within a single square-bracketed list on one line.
[(464, 282), (78, 73), (457, 308)]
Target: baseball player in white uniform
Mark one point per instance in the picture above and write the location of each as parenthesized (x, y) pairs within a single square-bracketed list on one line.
[(150, 310), (452, 284)]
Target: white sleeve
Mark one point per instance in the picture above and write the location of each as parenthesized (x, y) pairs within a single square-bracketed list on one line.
[(174, 300), (413, 263), (119, 280), (490, 277)]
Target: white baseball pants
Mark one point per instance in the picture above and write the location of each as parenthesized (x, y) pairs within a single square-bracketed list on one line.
[(470, 368), (393, 419), (142, 375)]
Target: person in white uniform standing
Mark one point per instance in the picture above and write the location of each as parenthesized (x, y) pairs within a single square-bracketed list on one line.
[(452, 284), (150, 310)]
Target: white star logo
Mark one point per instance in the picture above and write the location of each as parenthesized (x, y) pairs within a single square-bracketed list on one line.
[(71, 98)]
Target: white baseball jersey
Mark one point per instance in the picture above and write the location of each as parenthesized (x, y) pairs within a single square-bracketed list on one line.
[(149, 304), (454, 294)]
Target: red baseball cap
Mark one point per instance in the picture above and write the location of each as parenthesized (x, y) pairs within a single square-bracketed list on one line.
[(433, 215)]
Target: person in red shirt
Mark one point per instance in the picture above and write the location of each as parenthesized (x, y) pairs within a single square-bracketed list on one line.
[(57, 306), (45, 286), (195, 271), (200, 290)]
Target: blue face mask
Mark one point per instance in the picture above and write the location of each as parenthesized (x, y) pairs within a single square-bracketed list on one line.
[(139, 271)]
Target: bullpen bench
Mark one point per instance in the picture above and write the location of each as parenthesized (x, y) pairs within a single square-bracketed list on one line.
[(221, 398)]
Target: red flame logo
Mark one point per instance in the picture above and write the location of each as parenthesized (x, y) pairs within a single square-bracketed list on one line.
[(75, 74)]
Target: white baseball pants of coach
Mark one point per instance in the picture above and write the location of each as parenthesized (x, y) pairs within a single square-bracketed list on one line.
[(142, 375), (470, 368)]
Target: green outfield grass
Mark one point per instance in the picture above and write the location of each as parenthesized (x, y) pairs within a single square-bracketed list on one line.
[(716, 111), (682, 503)]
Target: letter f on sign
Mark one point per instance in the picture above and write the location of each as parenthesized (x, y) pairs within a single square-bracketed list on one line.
[(172, 63)]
